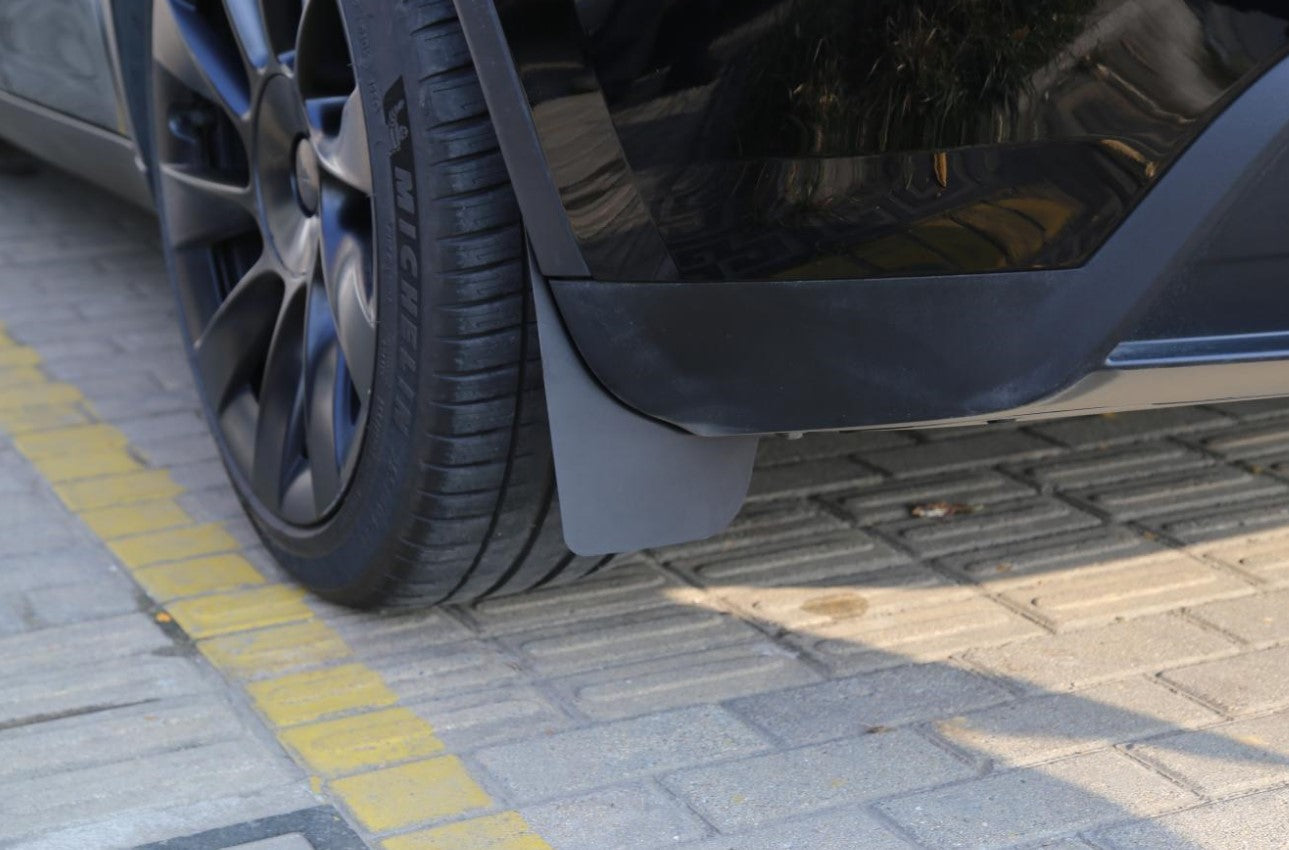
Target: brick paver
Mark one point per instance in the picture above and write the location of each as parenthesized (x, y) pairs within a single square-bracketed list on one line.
[(1090, 652), (1008, 808), (1250, 823)]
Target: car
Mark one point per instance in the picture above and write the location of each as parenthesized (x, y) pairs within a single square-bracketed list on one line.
[(479, 293)]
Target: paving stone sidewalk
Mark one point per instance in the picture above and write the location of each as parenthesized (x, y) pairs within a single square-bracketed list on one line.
[(1090, 651)]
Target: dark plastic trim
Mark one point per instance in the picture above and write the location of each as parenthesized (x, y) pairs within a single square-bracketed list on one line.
[(627, 482)]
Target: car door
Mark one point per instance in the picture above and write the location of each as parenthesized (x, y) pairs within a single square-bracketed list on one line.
[(55, 53)]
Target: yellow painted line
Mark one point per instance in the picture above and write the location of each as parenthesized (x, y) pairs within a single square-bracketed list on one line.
[(315, 694), (75, 466), (398, 797), (127, 520), (506, 831), (380, 761), (143, 486), (271, 652), (197, 576), (363, 741), (60, 442), (240, 611), (174, 545), (18, 356), (42, 395), (41, 417), (17, 377)]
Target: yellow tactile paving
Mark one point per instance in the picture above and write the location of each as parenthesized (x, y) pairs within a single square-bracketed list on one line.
[(174, 545), (143, 486), (363, 741), (339, 717), (23, 420), (20, 376), (197, 576), (398, 797), (18, 356), (506, 831), (57, 469), (315, 694), (94, 438), (277, 650), (127, 520), (240, 611), (40, 395)]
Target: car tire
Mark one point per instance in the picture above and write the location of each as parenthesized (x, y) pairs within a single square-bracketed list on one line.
[(448, 488)]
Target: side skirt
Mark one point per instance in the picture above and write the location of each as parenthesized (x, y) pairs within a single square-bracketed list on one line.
[(89, 152)]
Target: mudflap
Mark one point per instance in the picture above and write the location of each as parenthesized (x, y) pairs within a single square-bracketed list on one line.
[(627, 482)]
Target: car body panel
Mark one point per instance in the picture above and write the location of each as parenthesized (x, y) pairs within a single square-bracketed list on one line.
[(820, 343), (766, 356), (825, 139), (827, 342), (64, 95), (56, 53)]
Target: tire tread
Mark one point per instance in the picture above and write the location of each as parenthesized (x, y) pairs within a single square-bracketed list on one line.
[(486, 519)]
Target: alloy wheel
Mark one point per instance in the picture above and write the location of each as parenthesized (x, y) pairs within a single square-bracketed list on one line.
[(264, 189)]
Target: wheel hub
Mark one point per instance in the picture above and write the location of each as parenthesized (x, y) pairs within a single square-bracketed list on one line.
[(285, 166), (267, 203), (308, 183)]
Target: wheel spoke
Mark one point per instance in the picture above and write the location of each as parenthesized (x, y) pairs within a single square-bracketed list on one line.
[(340, 137), (297, 501), (201, 208), (278, 432), (324, 66), (211, 185), (251, 32), (346, 271), (195, 44), (171, 52), (321, 379), (351, 424), (264, 189), (231, 348)]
